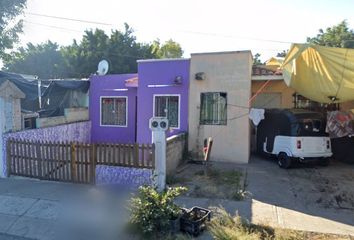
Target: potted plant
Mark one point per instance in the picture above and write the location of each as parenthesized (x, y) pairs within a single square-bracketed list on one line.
[(154, 213)]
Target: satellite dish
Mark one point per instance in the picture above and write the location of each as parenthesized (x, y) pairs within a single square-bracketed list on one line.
[(102, 68)]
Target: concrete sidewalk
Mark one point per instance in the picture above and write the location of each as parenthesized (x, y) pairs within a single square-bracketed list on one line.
[(31, 209), (275, 216)]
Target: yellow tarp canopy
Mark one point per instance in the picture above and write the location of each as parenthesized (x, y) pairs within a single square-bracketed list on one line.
[(274, 63), (322, 74)]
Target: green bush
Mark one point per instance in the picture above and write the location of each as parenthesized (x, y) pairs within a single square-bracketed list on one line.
[(152, 211)]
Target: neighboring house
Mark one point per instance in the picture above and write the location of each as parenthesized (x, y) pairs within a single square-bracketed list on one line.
[(220, 89), (61, 94), (48, 99), (274, 92)]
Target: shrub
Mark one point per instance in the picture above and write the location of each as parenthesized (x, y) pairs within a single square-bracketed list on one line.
[(152, 211)]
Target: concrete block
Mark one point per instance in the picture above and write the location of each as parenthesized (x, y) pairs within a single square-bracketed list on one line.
[(15, 205), (76, 114)]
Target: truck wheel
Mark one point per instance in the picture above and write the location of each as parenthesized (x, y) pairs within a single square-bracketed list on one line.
[(284, 161), (324, 162)]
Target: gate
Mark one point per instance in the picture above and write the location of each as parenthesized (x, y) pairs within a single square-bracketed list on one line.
[(73, 162)]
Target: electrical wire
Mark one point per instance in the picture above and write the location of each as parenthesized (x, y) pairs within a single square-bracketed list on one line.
[(179, 30), (52, 26), (245, 114), (69, 19)]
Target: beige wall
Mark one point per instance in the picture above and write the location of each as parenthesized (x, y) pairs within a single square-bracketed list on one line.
[(224, 72), (276, 86), (70, 115)]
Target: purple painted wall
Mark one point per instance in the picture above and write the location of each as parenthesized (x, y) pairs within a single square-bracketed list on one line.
[(128, 177), (73, 132), (112, 85), (161, 73)]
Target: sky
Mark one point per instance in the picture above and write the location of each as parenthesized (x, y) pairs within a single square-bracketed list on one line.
[(262, 26)]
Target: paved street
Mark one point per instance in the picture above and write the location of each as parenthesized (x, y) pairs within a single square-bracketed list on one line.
[(32, 209)]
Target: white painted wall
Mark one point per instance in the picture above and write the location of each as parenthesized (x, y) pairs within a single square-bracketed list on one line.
[(10, 114), (225, 72)]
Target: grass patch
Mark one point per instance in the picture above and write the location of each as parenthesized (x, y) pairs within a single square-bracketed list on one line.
[(174, 179), (216, 183), (227, 227)]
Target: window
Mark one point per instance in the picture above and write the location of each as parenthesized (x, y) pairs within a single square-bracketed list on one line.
[(114, 111), (29, 123), (167, 106), (213, 108)]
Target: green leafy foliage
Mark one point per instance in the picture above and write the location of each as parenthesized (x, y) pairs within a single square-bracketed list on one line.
[(44, 60), (282, 53), (170, 49), (9, 28), (257, 60), (80, 59), (152, 211), (336, 36)]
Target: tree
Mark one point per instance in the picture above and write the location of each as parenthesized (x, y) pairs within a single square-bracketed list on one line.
[(170, 49), (9, 10), (336, 36), (121, 49), (43, 60), (282, 53), (80, 59), (257, 60)]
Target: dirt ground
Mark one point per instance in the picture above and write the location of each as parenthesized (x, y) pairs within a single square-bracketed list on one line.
[(328, 187), (218, 180)]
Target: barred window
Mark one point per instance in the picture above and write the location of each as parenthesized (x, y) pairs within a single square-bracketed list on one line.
[(114, 111), (213, 109), (168, 106)]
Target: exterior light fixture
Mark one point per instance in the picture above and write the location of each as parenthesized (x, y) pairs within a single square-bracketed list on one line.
[(178, 80), (200, 76)]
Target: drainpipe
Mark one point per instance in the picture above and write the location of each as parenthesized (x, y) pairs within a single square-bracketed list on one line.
[(40, 94)]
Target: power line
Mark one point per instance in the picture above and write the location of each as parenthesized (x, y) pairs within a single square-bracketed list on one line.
[(245, 114), (68, 19), (52, 26), (185, 31)]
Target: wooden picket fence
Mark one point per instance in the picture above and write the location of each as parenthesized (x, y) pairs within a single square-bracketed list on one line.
[(73, 162)]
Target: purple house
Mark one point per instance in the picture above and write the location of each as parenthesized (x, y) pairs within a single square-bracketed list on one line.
[(163, 92), (121, 105), (113, 108)]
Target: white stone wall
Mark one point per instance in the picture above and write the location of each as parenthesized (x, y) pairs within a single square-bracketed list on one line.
[(228, 72)]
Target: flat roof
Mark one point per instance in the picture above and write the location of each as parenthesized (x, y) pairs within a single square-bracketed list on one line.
[(224, 52), (162, 60)]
